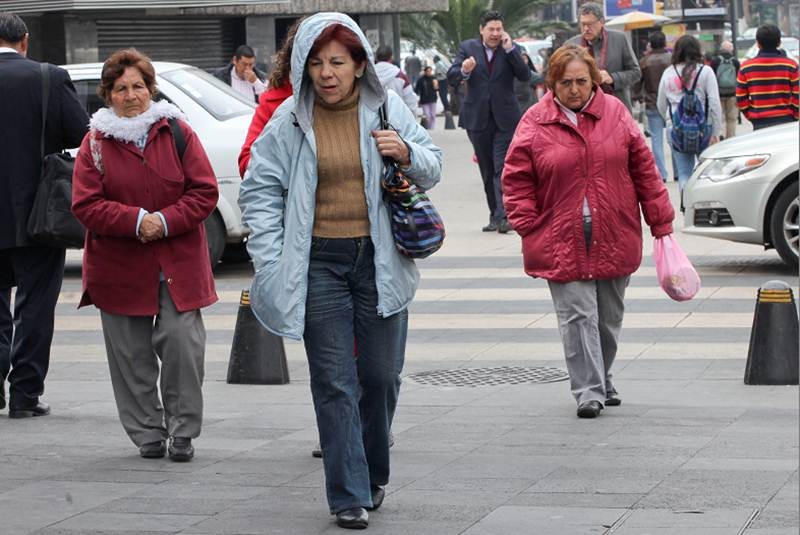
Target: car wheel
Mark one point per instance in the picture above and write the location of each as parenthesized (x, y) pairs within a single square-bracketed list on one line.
[(215, 234), (236, 253), (784, 225)]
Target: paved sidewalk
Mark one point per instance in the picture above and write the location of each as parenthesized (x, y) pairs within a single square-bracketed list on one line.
[(691, 451)]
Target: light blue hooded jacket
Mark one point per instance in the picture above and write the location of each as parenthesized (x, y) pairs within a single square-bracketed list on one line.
[(278, 194)]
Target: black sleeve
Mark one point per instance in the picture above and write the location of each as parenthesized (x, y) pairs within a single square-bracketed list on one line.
[(74, 119)]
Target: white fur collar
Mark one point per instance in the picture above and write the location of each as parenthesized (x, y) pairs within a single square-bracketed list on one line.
[(132, 129)]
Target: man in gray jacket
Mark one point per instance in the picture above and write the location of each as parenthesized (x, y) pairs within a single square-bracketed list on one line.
[(611, 50)]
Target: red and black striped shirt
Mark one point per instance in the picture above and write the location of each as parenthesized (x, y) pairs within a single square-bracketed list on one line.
[(767, 87)]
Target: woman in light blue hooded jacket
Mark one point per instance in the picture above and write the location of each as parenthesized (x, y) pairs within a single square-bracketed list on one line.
[(327, 269)]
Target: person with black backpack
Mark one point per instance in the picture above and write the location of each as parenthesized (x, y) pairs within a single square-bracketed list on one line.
[(688, 97), (726, 68)]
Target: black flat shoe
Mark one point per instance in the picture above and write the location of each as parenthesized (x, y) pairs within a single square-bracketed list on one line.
[(491, 227), (355, 518), (153, 450), (613, 400), (40, 409), (317, 452), (181, 449), (2, 395), (589, 409), (378, 494), (504, 227)]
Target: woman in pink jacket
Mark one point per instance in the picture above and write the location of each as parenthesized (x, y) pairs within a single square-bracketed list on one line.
[(145, 265), (575, 178)]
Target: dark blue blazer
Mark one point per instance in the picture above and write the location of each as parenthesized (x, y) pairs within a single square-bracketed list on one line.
[(20, 137), (489, 92)]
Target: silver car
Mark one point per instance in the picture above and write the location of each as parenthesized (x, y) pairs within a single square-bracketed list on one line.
[(218, 115), (745, 189)]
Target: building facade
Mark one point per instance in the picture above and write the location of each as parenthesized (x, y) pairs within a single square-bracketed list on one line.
[(203, 33)]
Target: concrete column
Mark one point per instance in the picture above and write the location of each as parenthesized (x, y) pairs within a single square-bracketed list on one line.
[(80, 40), (370, 24), (260, 33)]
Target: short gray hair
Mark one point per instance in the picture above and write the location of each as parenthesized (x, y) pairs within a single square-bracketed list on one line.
[(726, 46), (592, 8), (12, 28)]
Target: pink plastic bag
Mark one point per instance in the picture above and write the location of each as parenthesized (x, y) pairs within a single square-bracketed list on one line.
[(676, 275)]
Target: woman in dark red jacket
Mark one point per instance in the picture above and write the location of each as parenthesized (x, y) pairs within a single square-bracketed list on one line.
[(280, 88), (575, 177), (145, 264)]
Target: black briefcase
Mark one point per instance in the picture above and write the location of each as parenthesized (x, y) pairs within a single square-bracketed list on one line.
[(51, 222)]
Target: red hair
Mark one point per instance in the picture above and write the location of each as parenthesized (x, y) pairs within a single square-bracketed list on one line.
[(345, 36)]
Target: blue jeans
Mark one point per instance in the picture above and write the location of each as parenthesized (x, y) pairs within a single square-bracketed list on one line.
[(655, 125), (684, 163), (354, 397)]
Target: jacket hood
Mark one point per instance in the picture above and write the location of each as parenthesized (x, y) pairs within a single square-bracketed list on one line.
[(386, 71), (371, 91), (132, 129)]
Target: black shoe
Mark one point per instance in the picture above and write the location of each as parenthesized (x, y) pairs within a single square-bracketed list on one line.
[(40, 409), (153, 450), (355, 518), (613, 400), (589, 409), (181, 449), (491, 227), (317, 451), (378, 494), (503, 227), (2, 394)]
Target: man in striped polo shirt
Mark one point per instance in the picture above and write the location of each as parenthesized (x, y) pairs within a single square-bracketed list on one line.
[(766, 87)]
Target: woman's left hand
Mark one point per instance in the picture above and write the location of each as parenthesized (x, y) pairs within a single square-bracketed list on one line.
[(390, 144)]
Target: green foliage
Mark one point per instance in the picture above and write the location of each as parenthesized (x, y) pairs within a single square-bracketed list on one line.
[(445, 30)]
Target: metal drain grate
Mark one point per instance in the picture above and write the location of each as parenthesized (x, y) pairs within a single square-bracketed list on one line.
[(503, 375)]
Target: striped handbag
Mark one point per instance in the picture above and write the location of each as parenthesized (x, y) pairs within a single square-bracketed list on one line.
[(417, 227)]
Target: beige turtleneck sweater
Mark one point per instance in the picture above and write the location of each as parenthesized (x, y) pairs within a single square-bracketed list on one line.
[(341, 207)]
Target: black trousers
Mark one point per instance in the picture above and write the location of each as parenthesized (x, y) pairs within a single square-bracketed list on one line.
[(490, 146), (37, 272)]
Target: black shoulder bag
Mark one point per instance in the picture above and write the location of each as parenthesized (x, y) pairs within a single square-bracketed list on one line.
[(417, 227), (51, 222)]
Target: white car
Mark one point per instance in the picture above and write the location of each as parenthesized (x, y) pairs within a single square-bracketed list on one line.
[(745, 189), (790, 45), (218, 114)]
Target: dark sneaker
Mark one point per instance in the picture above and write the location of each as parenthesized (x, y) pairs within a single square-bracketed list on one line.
[(153, 450), (181, 449)]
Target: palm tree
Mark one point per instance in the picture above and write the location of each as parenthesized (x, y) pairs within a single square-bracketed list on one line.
[(445, 30)]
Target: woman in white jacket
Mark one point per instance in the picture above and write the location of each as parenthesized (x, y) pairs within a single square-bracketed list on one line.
[(327, 269), (687, 65)]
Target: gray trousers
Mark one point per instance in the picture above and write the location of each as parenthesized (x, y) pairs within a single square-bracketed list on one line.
[(134, 345), (589, 320)]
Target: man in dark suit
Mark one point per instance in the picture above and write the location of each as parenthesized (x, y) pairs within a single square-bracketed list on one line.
[(242, 74), (36, 271), (490, 112)]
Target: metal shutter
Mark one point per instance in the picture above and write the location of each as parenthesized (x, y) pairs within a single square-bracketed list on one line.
[(205, 43)]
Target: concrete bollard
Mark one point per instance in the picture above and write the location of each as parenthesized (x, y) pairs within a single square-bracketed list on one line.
[(773, 355), (257, 355), (448, 121)]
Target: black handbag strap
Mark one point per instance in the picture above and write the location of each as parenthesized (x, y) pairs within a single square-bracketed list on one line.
[(45, 97), (177, 134), (383, 113)]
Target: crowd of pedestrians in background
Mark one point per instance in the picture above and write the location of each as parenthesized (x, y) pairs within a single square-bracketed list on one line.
[(570, 172)]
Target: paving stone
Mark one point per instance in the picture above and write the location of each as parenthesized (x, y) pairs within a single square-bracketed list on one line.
[(561, 520), (133, 523)]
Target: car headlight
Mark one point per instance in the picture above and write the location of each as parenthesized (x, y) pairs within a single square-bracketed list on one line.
[(721, 169)]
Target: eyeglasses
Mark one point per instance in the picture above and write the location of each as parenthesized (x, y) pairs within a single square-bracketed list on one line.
[(589, 24), (580, 82)]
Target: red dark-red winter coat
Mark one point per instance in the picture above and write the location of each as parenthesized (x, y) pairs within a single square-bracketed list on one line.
[(552, 165), (121, 274), (268, 102)]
